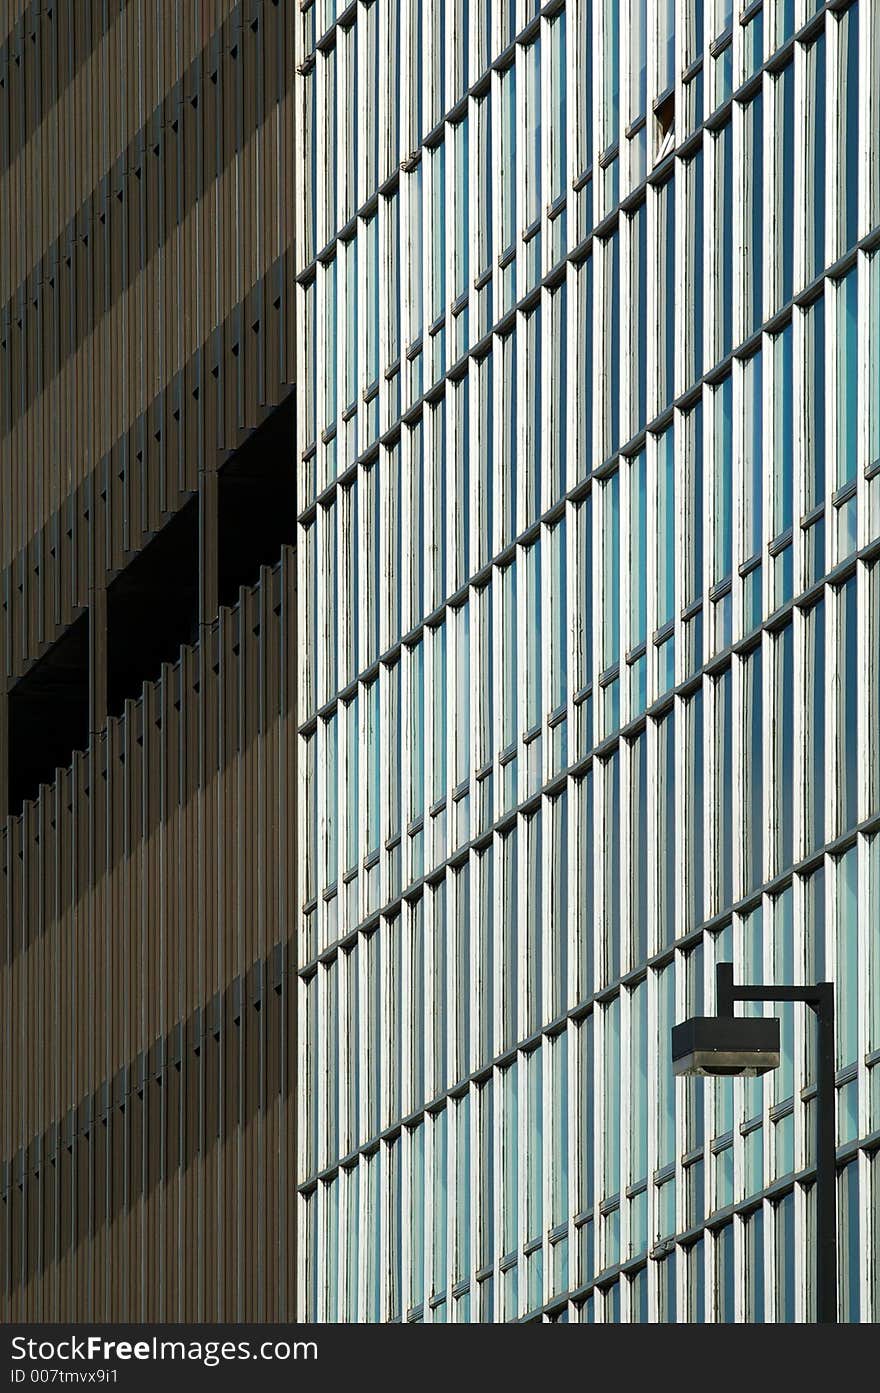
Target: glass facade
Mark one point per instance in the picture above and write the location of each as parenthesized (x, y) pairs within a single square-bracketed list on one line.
[(589, 656)]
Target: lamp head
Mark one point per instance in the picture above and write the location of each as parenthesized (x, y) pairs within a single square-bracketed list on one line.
[(725, 1046)]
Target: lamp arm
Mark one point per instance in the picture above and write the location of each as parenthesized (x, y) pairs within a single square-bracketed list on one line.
[(819, 996)]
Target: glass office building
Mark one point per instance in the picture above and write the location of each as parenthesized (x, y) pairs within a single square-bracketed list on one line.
[(588, 469)]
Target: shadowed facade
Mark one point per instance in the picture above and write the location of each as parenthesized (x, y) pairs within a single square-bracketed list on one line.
[(147, 775)]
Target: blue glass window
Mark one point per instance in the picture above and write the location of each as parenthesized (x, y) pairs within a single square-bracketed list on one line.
[(611, 70), (665, 45), (461, 516), (438, 983), (559, 1173), (873, 404), (754, 1236), (583, 57), (754, 770), (666, 1018), (638, 842), (784, 725), (392, 276), (724, 1273), (463, 693), (848, 669), (534, 441), (462, 1255), (694, 267), (559, 616), (783, 965), (584, 348), (416, 254), (695, 810), (638, 47), (510, 1158), (814, 403), (666, 841), (815, 657), (848, 165), (331, 773), (612, 310), (693, 425), (586, 1143), (558, 393), (508, 157), (611, 1094), (486, 1181), (639, 311), (440, 1139), (535, 1149), (440, 213), (439, 687), (510, 648), (329, 357), (754, 137), (850, 1251), (668, 297), (510, 444), (582, 619), (847, 377), (417, 731), (558, 97), (510, 873), (638, 538), (352, 782), (371, 694), (439, 511), (724, 757), (533, 637), (331, 1247), (417, 1216), (330, 143), (437, 12), (613, 832), (611, 553), (816, 154), (638, 1081), (532, 61), (753, 441), (666, 516), (724, 234), (487, 155), (785, 1271), (783, 431), (462, 208), (586, 881), (723, 510), (784, 182), (485, 461), (558, 896)]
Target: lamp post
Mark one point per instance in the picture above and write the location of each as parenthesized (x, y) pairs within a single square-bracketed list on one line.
[(747, 1046)]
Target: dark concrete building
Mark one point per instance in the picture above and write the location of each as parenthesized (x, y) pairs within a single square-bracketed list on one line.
[(147, 643)]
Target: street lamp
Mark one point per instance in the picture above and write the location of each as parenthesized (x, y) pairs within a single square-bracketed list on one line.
[(726, 1045)]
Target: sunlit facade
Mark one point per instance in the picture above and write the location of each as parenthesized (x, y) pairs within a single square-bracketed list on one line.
[(588, 413)]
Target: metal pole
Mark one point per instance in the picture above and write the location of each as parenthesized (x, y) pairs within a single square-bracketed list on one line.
[(826, 1163), (724, 989), (820, 999)]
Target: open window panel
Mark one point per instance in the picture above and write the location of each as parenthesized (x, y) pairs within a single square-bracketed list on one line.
[(49, 715), (153, 608), (256, 503)]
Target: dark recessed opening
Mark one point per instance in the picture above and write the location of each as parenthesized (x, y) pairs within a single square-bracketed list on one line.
[(153, 608), (256, 503), (49, 715)]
